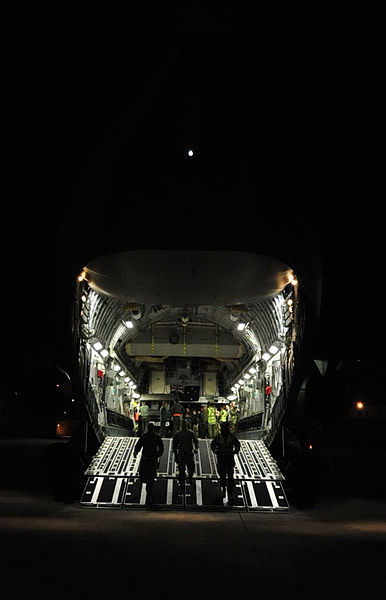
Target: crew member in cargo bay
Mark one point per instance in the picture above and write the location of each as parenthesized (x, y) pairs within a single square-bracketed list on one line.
[(152, 448), (225, 445), (185, 446)]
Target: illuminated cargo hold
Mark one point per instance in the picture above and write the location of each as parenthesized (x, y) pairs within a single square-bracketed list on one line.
[(229, 341)]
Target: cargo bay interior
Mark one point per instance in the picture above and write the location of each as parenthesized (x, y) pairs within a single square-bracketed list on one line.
[(202, 326)]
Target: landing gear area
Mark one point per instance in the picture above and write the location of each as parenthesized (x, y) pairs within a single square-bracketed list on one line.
[(112, 480)]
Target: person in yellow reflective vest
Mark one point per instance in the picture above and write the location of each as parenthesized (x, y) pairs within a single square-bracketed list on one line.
[(212, 420), (224, 413)]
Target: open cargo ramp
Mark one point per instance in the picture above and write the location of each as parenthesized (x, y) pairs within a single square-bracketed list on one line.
[(113, 480)]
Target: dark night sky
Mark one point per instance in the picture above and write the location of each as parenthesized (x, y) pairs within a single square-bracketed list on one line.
[(313, 115)]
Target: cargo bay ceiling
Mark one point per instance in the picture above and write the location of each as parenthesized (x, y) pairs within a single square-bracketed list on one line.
[(222, 308)]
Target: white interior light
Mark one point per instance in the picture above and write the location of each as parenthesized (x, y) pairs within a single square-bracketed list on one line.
[(273, 350), (129, 324), (190, 152), (247, 376), (252, 370), (266, 356), (121, 373), (231, 397), (117, 368), (97, 346), (104, 353), (127, 379), (241, 326), (241, 381)]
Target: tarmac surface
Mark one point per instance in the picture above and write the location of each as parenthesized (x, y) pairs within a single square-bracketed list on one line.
[(56, 548)]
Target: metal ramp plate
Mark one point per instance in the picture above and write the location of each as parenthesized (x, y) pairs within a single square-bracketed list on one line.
[(104, 491), (112, 479), (264, 495), (166, 494)]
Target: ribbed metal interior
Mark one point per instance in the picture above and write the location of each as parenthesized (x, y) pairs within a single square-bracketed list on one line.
[(265, 318)]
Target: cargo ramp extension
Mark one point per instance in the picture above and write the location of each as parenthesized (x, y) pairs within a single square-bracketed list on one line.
[(113, 480)]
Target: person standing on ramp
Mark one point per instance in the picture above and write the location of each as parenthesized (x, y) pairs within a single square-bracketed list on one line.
[(185, 445), (152, 448), (225, 445)]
